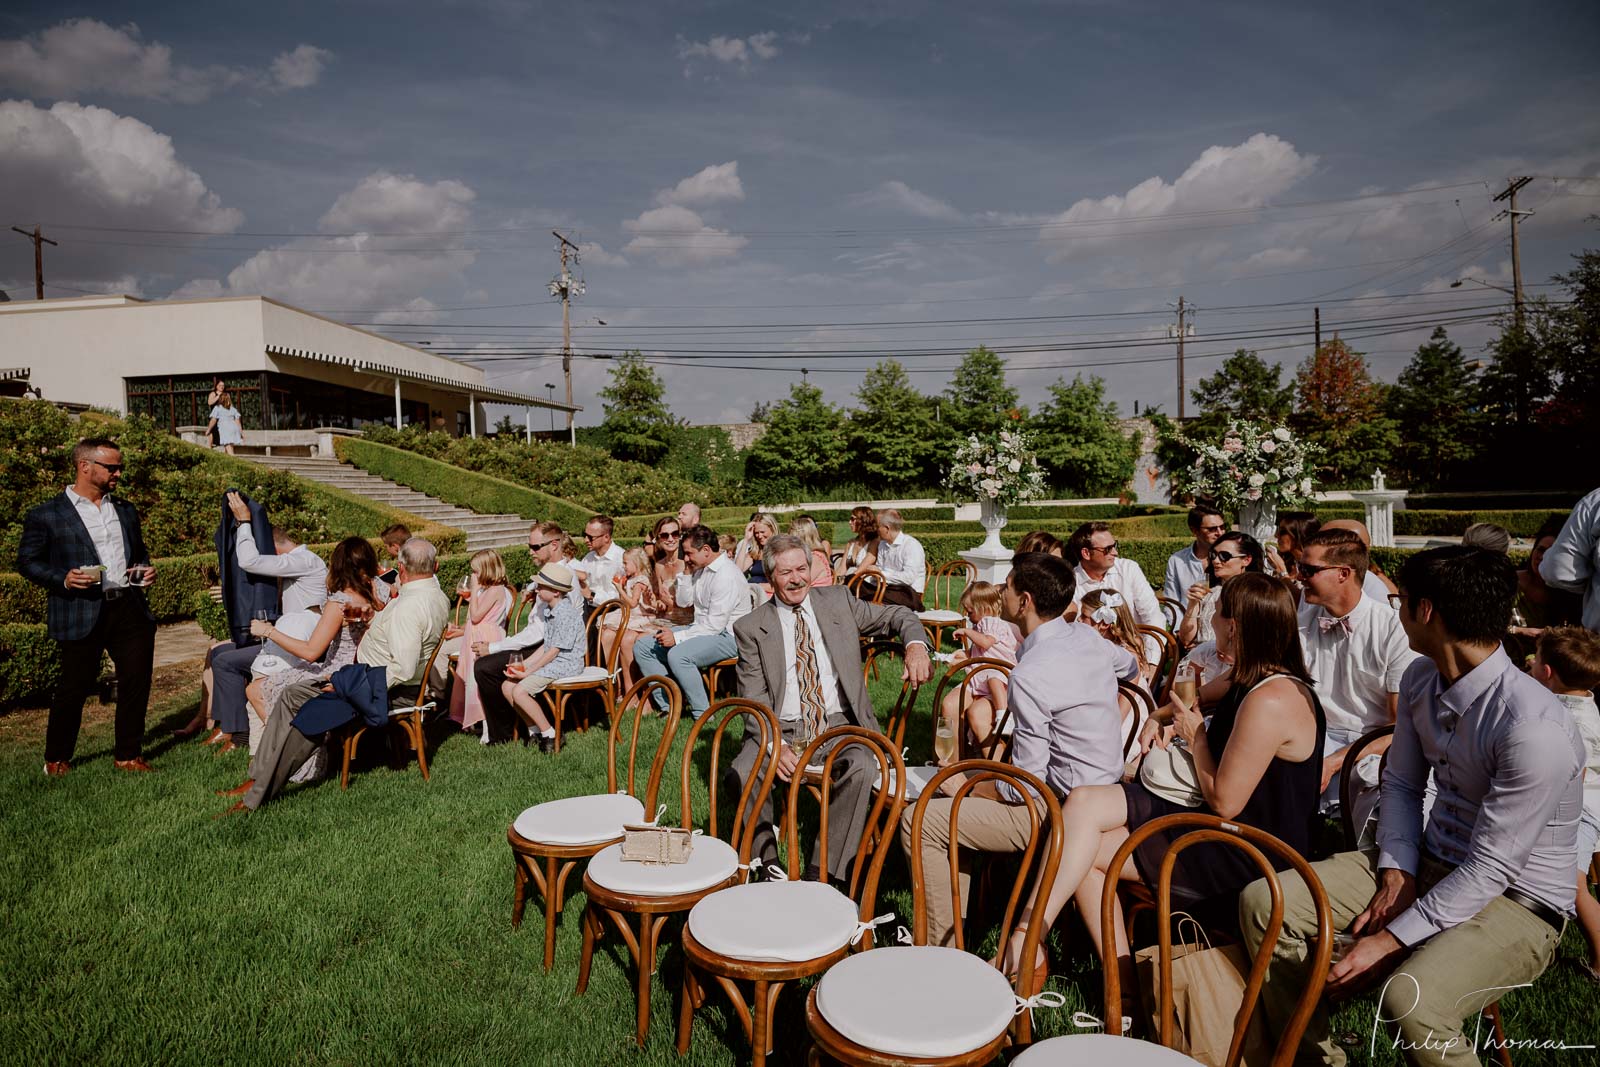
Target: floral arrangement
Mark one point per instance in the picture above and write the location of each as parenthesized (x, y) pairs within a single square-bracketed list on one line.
[(1254, 463), (1000, 468)]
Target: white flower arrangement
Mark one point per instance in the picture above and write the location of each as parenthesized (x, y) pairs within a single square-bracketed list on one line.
[(1253, 463), (997, 467)]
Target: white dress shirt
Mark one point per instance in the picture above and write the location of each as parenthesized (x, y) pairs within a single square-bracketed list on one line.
[(903, 561), (1184, 569), (1372, 588), (302, 576), (600, 568), (719, 598), (1354, 672), (832, 701), (1127, 578), (1573, 562), (105, 530), (530, 635)]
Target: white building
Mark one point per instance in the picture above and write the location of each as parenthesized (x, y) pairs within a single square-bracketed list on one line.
[(287, 369)]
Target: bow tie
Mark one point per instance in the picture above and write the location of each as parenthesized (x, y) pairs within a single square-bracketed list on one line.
[(1328, 622)]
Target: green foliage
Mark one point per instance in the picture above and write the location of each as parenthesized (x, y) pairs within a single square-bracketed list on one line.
[(1340, 412), (704, 455), (893, 433), (570, 472), (30, 667), (1244, 387), (1076, 436), (467, 489), (978, 400), (637, 423), (1436, 400), (805, 445), (1433, 523)]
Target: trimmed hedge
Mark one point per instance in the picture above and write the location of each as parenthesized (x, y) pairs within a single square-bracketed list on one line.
[(456, 485), (29, 666), (1423, 523)]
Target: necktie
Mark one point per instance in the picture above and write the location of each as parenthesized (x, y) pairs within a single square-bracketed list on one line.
[(1328, 623), (813, 708)]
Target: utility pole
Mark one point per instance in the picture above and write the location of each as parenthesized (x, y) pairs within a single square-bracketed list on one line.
[(565, 289), (1511, 212), (40, 240), (1180, 331), (1317, 327)]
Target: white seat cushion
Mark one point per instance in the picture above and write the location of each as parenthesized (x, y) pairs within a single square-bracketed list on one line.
[(775, 922), (587, 675), (917, 1000), (939, 615), (712, 862), (917, 777), (579, 820), (1091, 1050)]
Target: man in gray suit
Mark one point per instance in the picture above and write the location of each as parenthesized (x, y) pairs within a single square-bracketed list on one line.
[(800, 654)]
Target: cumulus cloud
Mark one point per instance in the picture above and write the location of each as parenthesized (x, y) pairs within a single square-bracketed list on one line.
[(741, 52), (355, 267), (87, 56), (595, 252), (1245, 175), (674, 235), (896, 195), (713, 184)]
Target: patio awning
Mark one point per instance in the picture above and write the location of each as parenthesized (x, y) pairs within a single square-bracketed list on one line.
[(15, 374), (479, 392)]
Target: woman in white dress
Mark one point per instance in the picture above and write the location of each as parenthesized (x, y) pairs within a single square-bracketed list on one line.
[(227, 422)]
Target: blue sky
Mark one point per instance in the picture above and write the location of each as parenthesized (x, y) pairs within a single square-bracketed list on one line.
[(761, 188)]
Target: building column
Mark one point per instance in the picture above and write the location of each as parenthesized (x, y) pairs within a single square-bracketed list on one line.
[(397, 403), (472, 416), (528, 436)]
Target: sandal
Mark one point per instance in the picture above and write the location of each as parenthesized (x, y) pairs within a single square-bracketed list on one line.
[(1041, 966)]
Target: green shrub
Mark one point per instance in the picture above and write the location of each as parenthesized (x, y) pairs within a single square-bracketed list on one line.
[(454, 485), (30, 668), (1454, 523)]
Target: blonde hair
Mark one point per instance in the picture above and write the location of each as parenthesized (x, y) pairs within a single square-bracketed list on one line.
[(807, 531), (489, 567), (1125, 631), (981, 599), (765, 520), (640, 560)]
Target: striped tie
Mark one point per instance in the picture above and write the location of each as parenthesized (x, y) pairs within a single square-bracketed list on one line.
[(813, 710)]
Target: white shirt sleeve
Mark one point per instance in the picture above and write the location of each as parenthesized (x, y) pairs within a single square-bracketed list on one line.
[(907, 565), (725, 595), (531, 634), (1146, 608), (288, 565)]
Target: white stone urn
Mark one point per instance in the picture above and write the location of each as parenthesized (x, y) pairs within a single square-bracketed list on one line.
[(992, 516), (1259, 519), (992, 559)]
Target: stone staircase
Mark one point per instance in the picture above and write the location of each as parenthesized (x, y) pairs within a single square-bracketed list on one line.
[(483, 531)]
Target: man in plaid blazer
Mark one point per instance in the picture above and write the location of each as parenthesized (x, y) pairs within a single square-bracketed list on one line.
[(87, 551)]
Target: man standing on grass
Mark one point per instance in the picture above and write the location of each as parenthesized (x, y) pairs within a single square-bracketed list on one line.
[(87, 550)]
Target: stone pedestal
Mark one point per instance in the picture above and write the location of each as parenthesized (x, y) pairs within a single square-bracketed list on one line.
[(1380, 513)]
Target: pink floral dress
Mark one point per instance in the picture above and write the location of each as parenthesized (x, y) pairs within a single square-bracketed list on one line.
[(1008, 639)]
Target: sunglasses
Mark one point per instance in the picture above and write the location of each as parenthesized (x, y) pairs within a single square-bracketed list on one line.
[(669, 535), (114, 468), (1311, 571), (536, 547), (1228, 557), (593, 537), (1107, 550)]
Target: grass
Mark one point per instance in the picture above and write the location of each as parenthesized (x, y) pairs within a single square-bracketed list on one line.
[(373, 925)]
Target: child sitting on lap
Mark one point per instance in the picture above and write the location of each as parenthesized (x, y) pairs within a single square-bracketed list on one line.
[(988, 637)]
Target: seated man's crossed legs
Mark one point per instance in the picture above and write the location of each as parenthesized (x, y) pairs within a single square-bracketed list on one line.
[(1446, 980), (683, 660)]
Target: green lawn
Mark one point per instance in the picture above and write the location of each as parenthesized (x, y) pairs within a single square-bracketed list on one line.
[(373, 925)]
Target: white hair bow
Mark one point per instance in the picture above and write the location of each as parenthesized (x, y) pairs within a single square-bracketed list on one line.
[(1106, 613)]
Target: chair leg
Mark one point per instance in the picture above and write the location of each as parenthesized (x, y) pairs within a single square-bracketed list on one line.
[(647, 966), (1501, 1052), (422, 748), (519, 890), (552, 905), (591, 925), (558, 713), (686, 1009)]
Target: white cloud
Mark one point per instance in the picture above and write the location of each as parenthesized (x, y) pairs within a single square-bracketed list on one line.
[(1245, 175), (86, 56), (898, 196), (717, 182), (352, 271), (674, 235), (301, 68), (595, 252), (739, 52), (1276, 258)]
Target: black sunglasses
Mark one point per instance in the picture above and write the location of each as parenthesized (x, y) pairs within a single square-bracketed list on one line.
[(536, 547), (1228, 557), (1311, 570), (114, 468), (669, 535)]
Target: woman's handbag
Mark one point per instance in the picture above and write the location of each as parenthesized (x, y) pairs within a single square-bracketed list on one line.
[(1169, 773), (648, 843)]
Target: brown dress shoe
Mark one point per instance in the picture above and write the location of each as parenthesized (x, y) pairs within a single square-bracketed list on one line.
[(214, 736), (135, 765), (238, 806), (227, 747), (57, 769), (239, 790)]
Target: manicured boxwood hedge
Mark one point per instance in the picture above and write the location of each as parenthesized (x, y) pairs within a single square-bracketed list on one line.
[(1523, 523), (455, 485)]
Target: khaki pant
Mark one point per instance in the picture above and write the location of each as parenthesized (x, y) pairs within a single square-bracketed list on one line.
[(1448, 978), (534, 684), (985, 825)]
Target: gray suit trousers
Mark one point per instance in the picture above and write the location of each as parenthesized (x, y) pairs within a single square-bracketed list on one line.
[(283, 749), (849, 800)]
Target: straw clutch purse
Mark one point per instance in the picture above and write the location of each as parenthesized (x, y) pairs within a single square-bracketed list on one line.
[(647, 843)]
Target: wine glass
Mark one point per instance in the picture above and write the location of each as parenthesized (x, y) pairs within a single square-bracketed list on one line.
[(944, 739), (464, 588), (514, 664)]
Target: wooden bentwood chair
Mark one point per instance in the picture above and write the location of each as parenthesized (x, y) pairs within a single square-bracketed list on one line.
[(965, 1008), (958, 676), (1167, 668), (619, 892), (943, 599), (599, 678), (549, 840), (1203, 828), (771, 933), (867, 585), (1171, 611), (408, 715)]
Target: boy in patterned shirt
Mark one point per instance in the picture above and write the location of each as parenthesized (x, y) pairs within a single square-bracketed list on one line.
[(561, 655)]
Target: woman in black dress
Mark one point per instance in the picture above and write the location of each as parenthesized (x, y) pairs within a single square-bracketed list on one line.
[(1258, 762)]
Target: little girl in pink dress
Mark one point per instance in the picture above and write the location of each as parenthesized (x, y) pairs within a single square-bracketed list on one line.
[(988, 637), (489, 601)]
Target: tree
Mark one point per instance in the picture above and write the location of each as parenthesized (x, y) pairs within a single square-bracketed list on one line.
[(505, 427), (1244, 387), (893, 434), (805, 445), (760, 412), (978, 400), (637, 424), (1078, 441), (1573, 338), (1436, 400), (1340, 410)]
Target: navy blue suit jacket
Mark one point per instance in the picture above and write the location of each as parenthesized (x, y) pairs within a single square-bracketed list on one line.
[(54, 541)]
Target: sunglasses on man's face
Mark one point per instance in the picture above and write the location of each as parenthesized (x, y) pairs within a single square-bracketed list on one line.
[(536, 546), (114, 468), (1104, 549), (1310, 570)]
